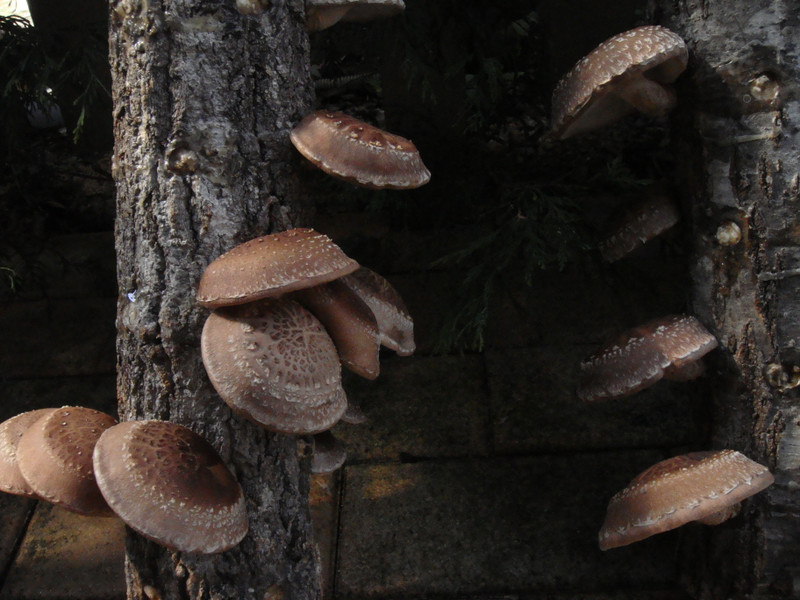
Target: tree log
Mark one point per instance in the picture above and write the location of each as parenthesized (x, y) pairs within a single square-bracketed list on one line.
[(205, 93), (737, 135)]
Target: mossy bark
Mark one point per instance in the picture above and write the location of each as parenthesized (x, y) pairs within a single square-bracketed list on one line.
[(205, 94), (738, 136)]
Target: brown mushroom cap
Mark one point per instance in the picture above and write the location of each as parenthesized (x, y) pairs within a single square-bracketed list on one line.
[(638, 224), (273, 362), (11, 431), (678, 490), (358, 152), (55, 458), (646, 57), (642, 356), (349, 322), (321, 14), (170, 485), (329, 453), (394, 321), (272, 265)]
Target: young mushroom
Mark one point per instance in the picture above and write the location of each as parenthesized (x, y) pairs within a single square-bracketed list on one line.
[(170, 485), (55, 458), (394, 321), (701, 486), (11, 431), (329, 453), (636, 225), (273, 362), (272, 265), (668, 347), (628, 72), (321, 14), (358, 152)]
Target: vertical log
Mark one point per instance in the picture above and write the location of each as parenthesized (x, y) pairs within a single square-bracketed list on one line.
[(205, 93), (738, 137)]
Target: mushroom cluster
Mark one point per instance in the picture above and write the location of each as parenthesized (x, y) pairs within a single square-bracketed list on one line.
[(162, 479), (633, 71), (288, 311), (669, 347)]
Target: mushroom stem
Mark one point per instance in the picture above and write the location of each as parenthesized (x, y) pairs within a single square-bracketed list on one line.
[(649, 97), (721, 515), (321, 18)]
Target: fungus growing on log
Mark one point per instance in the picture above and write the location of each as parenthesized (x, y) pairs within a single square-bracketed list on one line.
[(358, 152), (701, 486), (321, 14), (170, 485), (273, 362), (394, 321), (628, 72), (55, 458), (272, 265), (666, 347), (636, 225), (11, 431)]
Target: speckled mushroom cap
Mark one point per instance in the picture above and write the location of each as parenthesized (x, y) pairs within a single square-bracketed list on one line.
[(55, 458), (324, 13), (273, 362), (584, 98), (690, 487), (681, 338), (170, 485), (640, 357), (11, 431), (272, 265), (329, 453), (358, 152), (394, 321), (637, 225), (349, 322)]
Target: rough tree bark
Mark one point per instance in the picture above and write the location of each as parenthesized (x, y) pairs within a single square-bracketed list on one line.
[(205, 92), (738, 135)]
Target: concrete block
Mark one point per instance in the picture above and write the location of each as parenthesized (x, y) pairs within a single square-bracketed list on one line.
[(526, 524), (50, 339), (92, 391), (66, 556), (14, 511), (419, 407), (534, 406)]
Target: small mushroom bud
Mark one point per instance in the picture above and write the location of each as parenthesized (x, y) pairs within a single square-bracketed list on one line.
[(728, 233)]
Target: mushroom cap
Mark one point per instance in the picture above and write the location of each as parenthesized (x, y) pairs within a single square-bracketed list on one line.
[(394, 321), (169, 484), (678, 490), (682, 339), (350, 10), (329, 453), (583, 94), (358, 152), (349, 322), (639, 357), (272, 265), (11, 431), (55, 458), (273, 362), (638, 224)]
